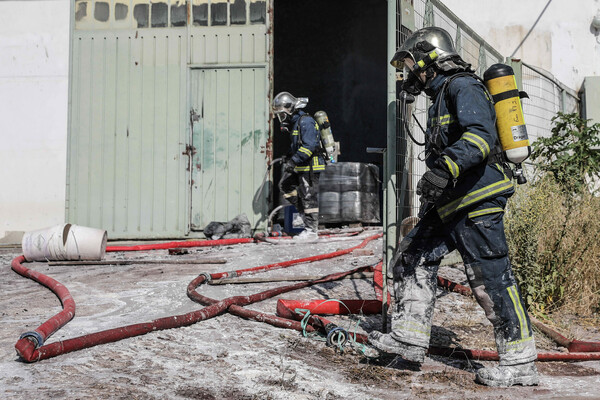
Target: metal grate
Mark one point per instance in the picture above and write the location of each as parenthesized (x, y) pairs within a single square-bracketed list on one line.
[(547, 97)]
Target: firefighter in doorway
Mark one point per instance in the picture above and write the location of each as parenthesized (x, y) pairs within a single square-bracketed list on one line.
[(463, 195), (300, 178)]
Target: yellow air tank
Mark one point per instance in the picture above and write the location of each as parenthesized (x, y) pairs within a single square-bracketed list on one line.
[(500, 81), (326, 135)]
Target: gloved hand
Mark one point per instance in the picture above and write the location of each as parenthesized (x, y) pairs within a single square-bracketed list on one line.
[(285, 127), (289, 166), (432, 184)]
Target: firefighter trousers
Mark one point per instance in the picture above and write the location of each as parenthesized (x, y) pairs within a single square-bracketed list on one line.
[(301, 189), (478, 235)]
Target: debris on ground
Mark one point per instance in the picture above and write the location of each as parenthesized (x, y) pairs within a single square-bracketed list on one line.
[(228, 357)]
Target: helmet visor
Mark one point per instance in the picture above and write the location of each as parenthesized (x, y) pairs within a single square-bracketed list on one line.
[(398, 59), (284, 102)]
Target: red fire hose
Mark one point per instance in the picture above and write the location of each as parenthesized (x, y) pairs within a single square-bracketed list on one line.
[(287, 309), (31, 348), (41, 333), (185, 243)]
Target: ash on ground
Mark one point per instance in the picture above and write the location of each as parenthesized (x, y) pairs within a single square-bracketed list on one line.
[(228, 357)]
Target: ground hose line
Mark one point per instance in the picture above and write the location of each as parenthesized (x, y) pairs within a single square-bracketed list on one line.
[(26, 346), (41, 333), (30, 346), (288, 309), (204, 277), (573, 345), (185, 243), (237, 307)]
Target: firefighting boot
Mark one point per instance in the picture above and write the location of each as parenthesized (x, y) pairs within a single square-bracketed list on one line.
[(307, 236), (386, 343), (508, 375)]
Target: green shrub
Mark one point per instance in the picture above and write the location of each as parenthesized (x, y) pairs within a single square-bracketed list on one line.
[(571, 152), (553, 224), (553, 239)]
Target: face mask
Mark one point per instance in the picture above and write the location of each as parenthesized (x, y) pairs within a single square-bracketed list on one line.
[(426, 88), (283, 117), (412, 85), (284, 121)]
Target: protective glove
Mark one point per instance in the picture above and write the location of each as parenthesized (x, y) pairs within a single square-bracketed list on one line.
[(289, 166), (432, 184), (285, 127)]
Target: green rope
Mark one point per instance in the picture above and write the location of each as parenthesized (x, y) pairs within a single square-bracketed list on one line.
[(318, 336)]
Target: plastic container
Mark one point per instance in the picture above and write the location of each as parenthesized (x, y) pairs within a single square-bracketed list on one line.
[(64, 242), (349, 192), (292, 221), (329, 206)]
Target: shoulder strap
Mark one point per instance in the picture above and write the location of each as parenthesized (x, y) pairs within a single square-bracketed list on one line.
[(321, 150), (496, 155), (300, 128), (446, 86)]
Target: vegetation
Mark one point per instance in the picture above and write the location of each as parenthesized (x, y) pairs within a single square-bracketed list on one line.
[(553, 224)]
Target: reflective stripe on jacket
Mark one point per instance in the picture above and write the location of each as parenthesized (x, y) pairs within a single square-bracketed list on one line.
[(306, 143)]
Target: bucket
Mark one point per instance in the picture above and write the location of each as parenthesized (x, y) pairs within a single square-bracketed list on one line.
[(64, 242)]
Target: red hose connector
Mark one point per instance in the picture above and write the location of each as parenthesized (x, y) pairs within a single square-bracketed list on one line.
[(28, 343)]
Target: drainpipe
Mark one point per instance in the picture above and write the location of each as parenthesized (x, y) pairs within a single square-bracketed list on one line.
[(390, 218)]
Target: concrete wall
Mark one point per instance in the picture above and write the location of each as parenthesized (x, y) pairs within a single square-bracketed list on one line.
[(34, 67), (563, 42)]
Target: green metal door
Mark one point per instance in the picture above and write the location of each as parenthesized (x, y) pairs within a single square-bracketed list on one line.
[(230, 145)]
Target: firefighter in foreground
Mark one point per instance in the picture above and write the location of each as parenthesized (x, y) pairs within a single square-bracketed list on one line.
[(463, 196), (300, 177)]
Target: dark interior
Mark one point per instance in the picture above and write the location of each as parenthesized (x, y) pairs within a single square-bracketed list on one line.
[(335, 53)]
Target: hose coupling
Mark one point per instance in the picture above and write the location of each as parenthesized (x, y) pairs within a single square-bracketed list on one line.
[(35, 337), (336, 336), (206, 275)]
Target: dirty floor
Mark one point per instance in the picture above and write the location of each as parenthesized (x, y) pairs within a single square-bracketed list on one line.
[(228, 357)]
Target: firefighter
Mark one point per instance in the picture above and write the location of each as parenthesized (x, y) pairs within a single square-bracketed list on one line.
[(463, 195), (299, 182)]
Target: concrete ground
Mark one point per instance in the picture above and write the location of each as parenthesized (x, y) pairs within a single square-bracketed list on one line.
[(228, 357)]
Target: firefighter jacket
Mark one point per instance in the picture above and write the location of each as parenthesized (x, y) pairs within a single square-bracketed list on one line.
[(306, 147), (460, 139)]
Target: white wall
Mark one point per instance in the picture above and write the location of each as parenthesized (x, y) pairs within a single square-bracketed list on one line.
[(563, 42), (34, 68)]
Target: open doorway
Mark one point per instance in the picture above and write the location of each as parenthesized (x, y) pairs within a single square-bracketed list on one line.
[(335, 53)]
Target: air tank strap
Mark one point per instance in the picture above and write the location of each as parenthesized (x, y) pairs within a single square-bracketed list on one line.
[(509, 94), (496, 156)]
